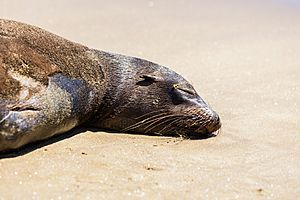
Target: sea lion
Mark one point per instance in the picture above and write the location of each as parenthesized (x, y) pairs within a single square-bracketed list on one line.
[(49, 85)]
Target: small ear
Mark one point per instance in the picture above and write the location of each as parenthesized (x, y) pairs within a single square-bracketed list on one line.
[(146, 80)]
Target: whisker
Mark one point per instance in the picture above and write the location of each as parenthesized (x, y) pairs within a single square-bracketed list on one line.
[(149, 113), (150, 126), (203, 124), (142, 122), (169, 125)]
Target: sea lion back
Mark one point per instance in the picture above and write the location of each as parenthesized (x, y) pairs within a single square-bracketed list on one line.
[(33, 52)]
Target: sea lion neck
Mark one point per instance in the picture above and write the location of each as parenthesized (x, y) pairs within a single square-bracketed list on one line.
[(118, 73)]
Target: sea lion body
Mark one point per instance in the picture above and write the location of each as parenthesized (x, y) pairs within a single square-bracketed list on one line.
[(49, 85)]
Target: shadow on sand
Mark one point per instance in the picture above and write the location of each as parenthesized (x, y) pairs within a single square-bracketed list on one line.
[(39, 144)]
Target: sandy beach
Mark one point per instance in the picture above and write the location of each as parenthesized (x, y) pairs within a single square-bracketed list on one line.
[(243, 57)]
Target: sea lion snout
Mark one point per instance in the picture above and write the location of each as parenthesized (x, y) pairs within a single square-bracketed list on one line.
[(211, 121), (200, 118), (214, 123)]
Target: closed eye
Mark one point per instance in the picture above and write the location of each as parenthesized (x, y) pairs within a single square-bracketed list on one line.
[(186, 90)]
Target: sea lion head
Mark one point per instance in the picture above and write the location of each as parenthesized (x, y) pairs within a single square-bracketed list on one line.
[(144, 97)]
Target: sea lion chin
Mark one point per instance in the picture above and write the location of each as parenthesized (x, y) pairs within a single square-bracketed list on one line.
[(49, 85)]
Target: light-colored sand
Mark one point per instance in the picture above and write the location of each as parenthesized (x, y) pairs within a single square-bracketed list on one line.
[(243, 58)]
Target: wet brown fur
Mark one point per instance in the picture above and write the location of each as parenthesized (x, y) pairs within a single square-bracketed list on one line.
[(35, 53)]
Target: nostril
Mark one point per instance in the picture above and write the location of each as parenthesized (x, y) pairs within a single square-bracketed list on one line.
[(215, 124), (218, 121), (217, 118)]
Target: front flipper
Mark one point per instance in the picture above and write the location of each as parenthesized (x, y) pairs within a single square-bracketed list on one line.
[(43, 111)]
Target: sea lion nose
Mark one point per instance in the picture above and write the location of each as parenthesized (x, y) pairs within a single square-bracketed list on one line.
[(215, 124)]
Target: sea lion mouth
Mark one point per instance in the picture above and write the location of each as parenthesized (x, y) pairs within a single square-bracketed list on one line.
[(184, 125)]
